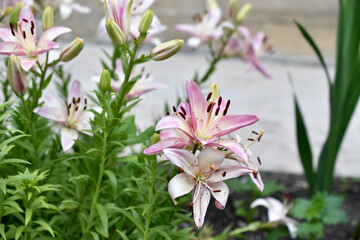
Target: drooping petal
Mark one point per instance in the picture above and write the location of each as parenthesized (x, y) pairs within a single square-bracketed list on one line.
[(183, 159), (255, 63), (9, 48), (230, 144), (172, 142), (197, 104), (200, 206), (28, 62), (256, 178), (277, 210), (53, 33), (173, 121), (68, 137), (220, 192), (210, 157), (291, 225), (260, 202), (230, 123), (180, 185)]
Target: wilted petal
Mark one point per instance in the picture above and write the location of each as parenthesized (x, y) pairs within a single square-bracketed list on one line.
[(172, 142), (230, 144), (220, 192), (183, 159), (180, 185), (230, 123), (173, 121), (200, 206), (68, 137), (210, 157)]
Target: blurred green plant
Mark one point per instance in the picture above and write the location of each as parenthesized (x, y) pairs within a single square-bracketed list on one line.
[(344, 92)]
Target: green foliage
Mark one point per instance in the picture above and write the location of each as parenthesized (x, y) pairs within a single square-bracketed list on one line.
[(322, 209)]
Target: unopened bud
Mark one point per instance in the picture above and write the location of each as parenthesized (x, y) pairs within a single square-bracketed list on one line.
[(17, 76), (72, 50), (155, 138), (166, 50), (105, 81), (243, 13), (5, 12), (233, 9), (215, 91), (47, 20), (114, 31), (14, 15), (146, 21)]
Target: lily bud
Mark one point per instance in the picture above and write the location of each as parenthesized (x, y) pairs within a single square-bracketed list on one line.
[(233, 9), (114, 31), (105, 81), (146, 21), (47, 20), (166, 50), (155, 138), (72, 50), (17, 76), (6, 12), (215, 91), (243, 13)]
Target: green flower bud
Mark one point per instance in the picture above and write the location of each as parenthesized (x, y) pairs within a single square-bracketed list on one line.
[(114, 31), (14, 15), (166, 50), (233, 9), (6, 12), (72, 50), (146, 21), (243, 13), (17, 76), (155, 138), (47, 20), (105, 81)]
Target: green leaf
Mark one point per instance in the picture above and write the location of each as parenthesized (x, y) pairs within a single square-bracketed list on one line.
[(18, 178), (13, 204), (131, 217), (19, 232), (2, 231), (103, 218), (7, 161), (304, 230), (335, 216), (158, 229), (45, 226), (3, 185), (122, 234), (95, 235), (113, 181), (300, 209), (28, 215)]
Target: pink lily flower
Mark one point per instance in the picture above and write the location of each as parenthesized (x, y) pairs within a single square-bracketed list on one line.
[(72, 115), (203, 122), (143, 85), (277, 212), (255, 174), (23, 42), (67, 6), (205, 174), (120, 12)]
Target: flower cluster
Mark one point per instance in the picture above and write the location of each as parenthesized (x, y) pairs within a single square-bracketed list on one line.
[(227, 38), (202, 124)]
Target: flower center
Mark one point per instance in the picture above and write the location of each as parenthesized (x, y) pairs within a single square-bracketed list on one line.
[(75, 111)]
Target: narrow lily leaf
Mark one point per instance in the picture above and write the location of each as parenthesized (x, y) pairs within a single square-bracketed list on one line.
[(7, 161), (103, 218), (122, 234), (136, 221), (28, 215), (3, 185), (19, 232), (17, 178), (46, 226), (312, 43), (13, 204), (95, 235), (113, 181), (161, 232), (2, 231)]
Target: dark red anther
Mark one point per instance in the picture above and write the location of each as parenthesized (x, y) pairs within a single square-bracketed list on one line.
[(77, 107), (224, 174), (174, 109), (73, 100), (255, 133), (259, 138), (148, 75), (216, 191), (210, 107), (225, 112), (85, 108), (250, 139), (219, 101), (259, 160), (208, 96), (217, 111), (25, 20), (69, 106), (167, 113), (183, 109), (32, 25), (191, 205), (32, 31), (288, 196), (78, 100), (24, 34), (85, 100), (182, 115), (255, 174), (12, 29)]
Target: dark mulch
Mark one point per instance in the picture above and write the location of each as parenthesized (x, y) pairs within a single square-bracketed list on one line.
[(296, 186)]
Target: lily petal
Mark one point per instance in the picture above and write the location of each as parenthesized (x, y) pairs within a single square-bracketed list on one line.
[(75, 92), (6, 35), (173, 121), (27, 63), (65, 11), (194, 42), (158, 147), (231, 170), (68, 137), (230, 144), (9, 48), (201, 204), (220, 193), (230, 123), (54, 109), (53, 33), (197, 104), (180, 185), (183, 159), (210, 157), (256, 178)]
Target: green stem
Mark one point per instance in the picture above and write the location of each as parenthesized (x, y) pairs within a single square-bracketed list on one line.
[(150, 198), (195, 148)]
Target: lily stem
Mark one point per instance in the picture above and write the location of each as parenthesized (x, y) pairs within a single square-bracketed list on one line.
[(195, 148), (150, 198)]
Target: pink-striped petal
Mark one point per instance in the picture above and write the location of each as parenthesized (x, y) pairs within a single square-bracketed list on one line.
[(54, 109), (230, 144), (210, 157), (200, 206), (27, 23), (68, 137), (27, 62), (75, 92), (173, 121), (221, 193), (183, 159), (256, 64), (230, 123), (197, 104), (6, 35), (9, 48), (53, 33), (166, 143), (44, 46), (180, 185)]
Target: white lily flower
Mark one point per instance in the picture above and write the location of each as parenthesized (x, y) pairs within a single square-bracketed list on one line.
[(67, 6), (277, 212)]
